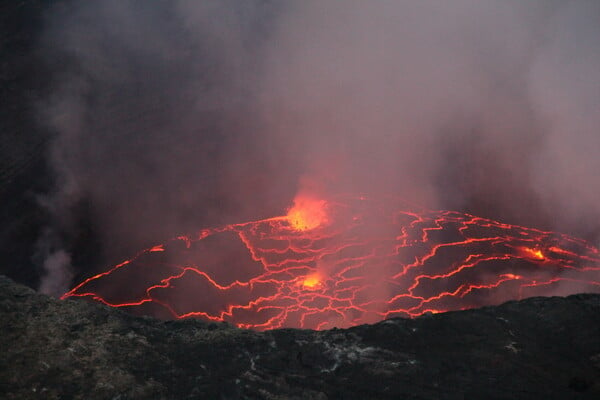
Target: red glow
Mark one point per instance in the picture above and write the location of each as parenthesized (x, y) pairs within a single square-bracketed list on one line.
[(307, 213), (312, 281), (532, 253), (346, 262)]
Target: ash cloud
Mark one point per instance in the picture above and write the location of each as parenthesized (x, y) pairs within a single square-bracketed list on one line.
[(171, 116), (485, 107), (154, 112), (488, 108)]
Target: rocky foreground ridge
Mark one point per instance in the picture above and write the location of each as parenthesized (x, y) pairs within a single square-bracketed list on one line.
[(536, 348)]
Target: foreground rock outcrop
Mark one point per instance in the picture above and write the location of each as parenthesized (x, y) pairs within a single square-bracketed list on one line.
[(536, 348)]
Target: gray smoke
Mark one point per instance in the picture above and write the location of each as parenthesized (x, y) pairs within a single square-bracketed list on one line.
[(170, 116), (489, 106), (57, 277)]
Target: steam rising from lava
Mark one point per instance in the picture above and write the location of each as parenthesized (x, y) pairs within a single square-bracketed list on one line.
[(169, 116)]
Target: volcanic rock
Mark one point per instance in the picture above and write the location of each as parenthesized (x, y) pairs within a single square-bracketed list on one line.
[(535, 348)]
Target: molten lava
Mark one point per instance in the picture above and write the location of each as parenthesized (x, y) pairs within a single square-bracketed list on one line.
[(533, 253), (307, 213), (312, 281), (345, 262)]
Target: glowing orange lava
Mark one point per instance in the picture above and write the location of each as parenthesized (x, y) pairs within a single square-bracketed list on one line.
[(307, 213), (344, 262), (312, 281), (533, 253)]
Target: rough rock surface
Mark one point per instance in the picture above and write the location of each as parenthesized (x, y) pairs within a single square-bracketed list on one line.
[(536, 348)]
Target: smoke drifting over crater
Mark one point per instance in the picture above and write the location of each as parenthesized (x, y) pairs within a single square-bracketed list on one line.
[(171, 116)]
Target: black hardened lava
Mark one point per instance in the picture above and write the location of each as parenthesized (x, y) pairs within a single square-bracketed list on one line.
[(535, 348)]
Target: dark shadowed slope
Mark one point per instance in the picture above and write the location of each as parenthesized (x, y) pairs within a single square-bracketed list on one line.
[(24, 175), (535, 348)]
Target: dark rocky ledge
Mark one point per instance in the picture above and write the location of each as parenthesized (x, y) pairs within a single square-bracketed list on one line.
[(536, 348)]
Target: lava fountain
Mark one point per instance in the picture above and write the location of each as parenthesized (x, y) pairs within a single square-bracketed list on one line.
[(344, 262)]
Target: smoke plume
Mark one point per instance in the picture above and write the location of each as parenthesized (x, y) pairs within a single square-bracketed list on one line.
[(171, 116)]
